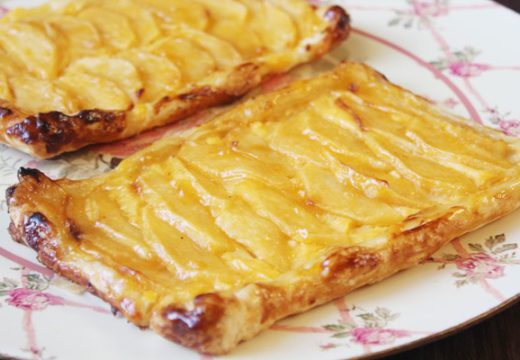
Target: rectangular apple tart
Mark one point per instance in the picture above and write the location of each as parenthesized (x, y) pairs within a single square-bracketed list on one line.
[(78, 72), (285, 202)]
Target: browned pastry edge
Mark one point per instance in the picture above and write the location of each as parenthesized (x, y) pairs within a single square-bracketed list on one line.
[(217, 322), (54, 130), (46, 135)]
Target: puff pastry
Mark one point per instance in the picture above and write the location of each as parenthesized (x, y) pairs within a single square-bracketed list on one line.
[(285, 202), (77, 72)]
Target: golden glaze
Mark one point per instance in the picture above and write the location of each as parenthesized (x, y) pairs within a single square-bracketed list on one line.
[(327, 177), (141, 57)]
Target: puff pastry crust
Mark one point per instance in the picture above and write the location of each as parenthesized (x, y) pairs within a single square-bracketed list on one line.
[(78, 72), (284, 203)]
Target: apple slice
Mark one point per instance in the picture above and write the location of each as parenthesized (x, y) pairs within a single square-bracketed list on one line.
[(7, 64), (82, 35), (225, 10), (5, 90), (29, 13), (339, 201), (229, 18), (179, 12), (31, 47), (194, 62), (115, 28), (160, 75), (95, 92), (119, 71), (36, 96), (279, 32), (224, 54), (302, 13), (142, 19)]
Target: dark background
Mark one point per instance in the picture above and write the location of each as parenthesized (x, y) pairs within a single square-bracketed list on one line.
[(513, 4), (495, 339)]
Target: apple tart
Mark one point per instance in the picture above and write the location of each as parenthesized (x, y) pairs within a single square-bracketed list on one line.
[(78, 72), (284, 203)]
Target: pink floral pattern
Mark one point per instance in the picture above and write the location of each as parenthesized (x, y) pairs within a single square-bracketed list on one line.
[(430, 8), (475, 265), (373, 330), (508, 125), (35, 300), (466, 69), (420, 12), (462, 63), (483, 262), (377, 336), (30, 295)]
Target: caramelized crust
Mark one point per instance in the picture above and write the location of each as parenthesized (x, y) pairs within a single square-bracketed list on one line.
[(284, 203), (183, 56), (51, 132)]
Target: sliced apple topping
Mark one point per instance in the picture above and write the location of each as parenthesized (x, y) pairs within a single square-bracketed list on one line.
[(95, 92), (225, 10), (179, 12), (28, 13), (338, 197), (115, 28), (8, 65), (118, 70), (142, 19), (302, 14), (82, 36), (42, 96), (182, 53), (160, 76), (5, 90), (31, 47), (146, 50), (276, 34), (224, 54)]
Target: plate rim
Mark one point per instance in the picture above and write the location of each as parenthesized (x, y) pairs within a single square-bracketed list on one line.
[(437, 336)]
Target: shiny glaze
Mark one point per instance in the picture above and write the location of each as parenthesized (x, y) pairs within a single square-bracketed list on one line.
[(72, 55), (268, 190)]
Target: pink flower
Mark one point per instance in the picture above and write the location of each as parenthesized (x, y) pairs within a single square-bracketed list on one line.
[(466, 69), (429, 9), (377, 336), (28, 299), (474, 262), (493, 272), (510, 127), (468, 265), (481, 265)]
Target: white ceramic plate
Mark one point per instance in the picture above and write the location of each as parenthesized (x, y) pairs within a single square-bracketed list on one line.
[(459, 53)]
